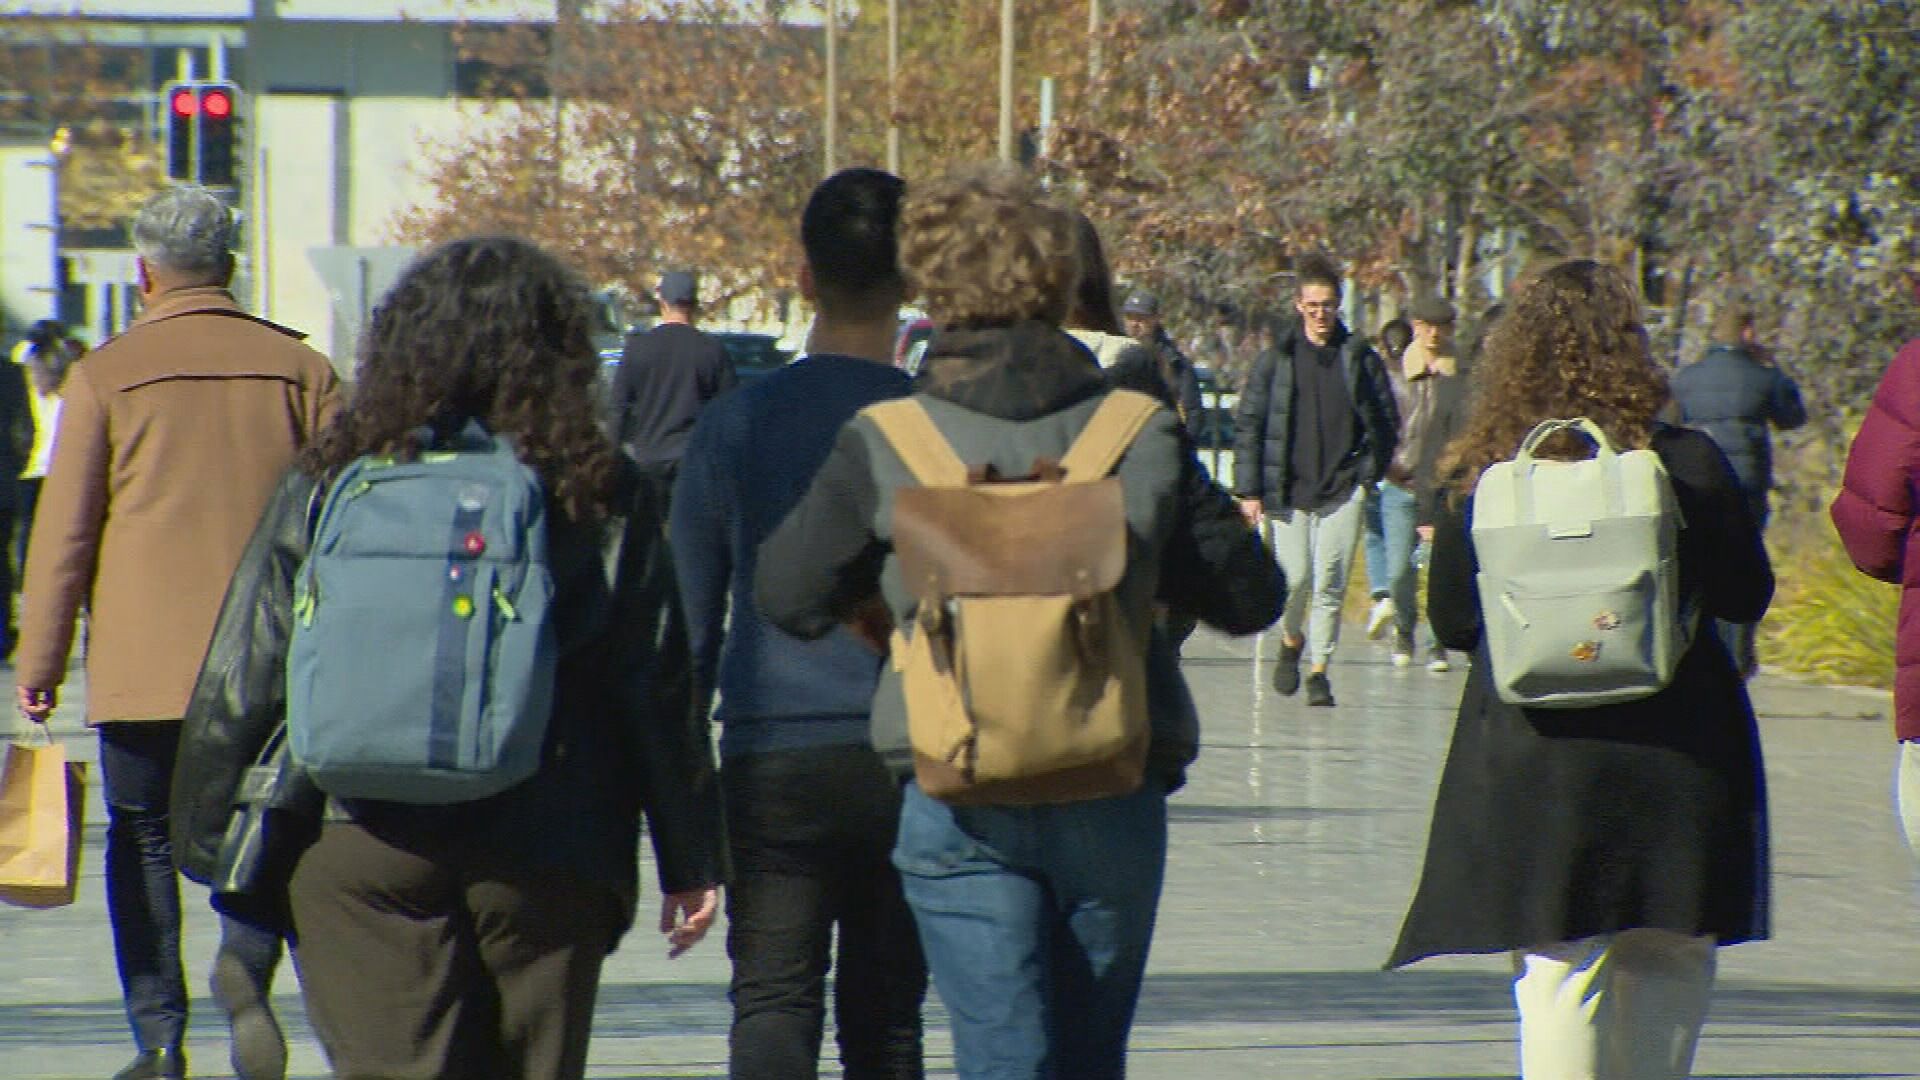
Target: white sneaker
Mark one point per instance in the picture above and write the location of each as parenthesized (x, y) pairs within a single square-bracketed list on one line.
[(1380, 618), (1402, 659), (1438, 663)]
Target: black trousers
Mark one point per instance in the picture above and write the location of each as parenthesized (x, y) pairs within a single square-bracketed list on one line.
[(812, 834)]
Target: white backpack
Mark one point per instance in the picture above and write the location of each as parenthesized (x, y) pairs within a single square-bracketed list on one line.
[(1580, 574)]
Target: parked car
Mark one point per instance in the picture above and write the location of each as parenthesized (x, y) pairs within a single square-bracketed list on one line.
[(753, 354)]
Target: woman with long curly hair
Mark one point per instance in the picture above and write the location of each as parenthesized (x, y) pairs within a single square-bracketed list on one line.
[(466, 939), (1611, 849)]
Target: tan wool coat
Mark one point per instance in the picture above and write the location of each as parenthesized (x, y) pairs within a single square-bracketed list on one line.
[(172, 436)]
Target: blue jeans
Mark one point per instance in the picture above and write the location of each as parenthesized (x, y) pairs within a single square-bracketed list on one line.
[(1036, 922), (1739, 637), (1391, 513)]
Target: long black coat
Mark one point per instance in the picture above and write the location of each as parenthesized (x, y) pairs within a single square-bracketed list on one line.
[(1558, 824)]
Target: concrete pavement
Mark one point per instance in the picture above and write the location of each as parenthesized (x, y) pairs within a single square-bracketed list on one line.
[(1294, 851)]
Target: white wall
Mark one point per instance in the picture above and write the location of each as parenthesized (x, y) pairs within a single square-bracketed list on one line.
[(26, 244), (297, 209)]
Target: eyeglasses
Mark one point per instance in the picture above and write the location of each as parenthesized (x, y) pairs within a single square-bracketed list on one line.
[(1321, 309)]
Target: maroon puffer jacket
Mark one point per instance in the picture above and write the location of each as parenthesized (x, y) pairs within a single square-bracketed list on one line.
[(1878, 516)]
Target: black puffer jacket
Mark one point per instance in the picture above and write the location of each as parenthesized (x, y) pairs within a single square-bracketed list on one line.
[(1264, 422), (624, 738), (1735, 398)]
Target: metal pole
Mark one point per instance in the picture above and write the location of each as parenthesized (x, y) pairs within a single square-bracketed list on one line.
[(893, 87), (833, 85), (1093, 39), (1006, 80)]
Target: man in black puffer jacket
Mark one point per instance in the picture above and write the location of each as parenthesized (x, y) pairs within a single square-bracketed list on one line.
[(1316, 427), (1735, 394)]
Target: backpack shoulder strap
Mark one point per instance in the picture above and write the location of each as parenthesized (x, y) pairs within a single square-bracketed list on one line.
[(927, 454), (1107, 435)]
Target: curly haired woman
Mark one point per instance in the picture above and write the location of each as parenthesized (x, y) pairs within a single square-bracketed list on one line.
[(1610, 850), (467, 939)]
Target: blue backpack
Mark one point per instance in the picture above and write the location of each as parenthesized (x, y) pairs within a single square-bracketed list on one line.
[(421, 668)]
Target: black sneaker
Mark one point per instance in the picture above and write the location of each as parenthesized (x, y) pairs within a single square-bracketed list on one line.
[(1319, 690), (167, 1063), (1286, 670)]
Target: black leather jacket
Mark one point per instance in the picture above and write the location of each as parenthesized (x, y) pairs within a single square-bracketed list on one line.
[(624, 739)]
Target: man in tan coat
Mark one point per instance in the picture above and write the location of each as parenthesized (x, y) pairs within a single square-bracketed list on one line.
[(171, 437)]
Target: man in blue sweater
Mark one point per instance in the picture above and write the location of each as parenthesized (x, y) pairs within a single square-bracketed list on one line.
[(811, 811)]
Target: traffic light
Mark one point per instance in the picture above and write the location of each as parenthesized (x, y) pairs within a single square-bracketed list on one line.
[(200, 132)]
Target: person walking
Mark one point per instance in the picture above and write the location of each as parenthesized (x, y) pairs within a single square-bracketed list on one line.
[(1609, 850), (44, 344), (172, 436), (666, 376), (1738, 396), (1141, 314), (811, 809), (46, 370), (1431, 392), (1035, 919), (466, 939), (1877, 516), (1315, 428), (1395, 335)]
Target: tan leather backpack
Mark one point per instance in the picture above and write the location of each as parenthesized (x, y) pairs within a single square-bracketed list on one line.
[(1025, 676)]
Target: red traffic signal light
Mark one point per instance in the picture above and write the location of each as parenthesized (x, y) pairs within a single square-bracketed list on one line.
[(200, 132)]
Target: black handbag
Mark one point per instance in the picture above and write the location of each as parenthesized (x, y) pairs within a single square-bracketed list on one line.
[(276, 813)]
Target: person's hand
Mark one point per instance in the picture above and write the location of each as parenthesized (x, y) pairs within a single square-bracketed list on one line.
[(1251, 510), (36, 704), (872, 623), (1424, 532), (685, 917)]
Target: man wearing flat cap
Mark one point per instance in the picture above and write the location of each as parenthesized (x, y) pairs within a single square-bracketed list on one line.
[(667, 375), (1430, 393), (1141, 312)]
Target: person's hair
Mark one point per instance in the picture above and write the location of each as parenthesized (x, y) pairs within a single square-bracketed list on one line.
[(1316, 270), (492, 329), (1730, 322), (1395, 335), (45, 332), (1092, 307), (985, 246), (186, 231), (848, 230), (1570, 344)]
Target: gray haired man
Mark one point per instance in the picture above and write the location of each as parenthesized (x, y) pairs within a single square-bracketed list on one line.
[(172, 435)]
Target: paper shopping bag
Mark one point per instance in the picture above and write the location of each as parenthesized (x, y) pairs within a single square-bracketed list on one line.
[(42, 803)]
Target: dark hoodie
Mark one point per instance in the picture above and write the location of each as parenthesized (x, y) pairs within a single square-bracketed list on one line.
[(1005, 397)]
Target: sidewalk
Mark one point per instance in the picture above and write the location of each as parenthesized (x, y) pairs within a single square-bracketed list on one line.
[(1294, 849)]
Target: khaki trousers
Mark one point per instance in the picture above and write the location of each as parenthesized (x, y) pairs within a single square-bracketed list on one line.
[(1626, 1006), (414, 968)]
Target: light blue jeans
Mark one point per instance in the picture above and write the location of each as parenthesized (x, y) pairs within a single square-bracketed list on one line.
[(1391, 517), (1907, 793), (1036, 922), (1315, 549)]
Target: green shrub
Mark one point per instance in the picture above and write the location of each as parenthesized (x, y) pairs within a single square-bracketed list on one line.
[(1829, 621)]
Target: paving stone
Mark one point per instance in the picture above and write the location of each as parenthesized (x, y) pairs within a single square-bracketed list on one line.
[(1294, 851)]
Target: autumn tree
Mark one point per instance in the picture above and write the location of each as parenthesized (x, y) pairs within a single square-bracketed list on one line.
[(54, 77), (653, 134)]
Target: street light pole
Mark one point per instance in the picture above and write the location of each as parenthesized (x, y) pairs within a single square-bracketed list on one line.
[(893, 87), (833, 85), (1006, 80)]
